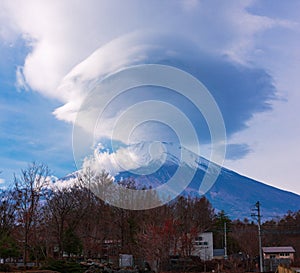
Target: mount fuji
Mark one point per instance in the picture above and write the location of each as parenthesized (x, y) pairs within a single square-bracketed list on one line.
[(154, 165)]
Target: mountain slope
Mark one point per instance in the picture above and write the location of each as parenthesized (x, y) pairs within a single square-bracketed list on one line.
[(237, 194), (233, 193)]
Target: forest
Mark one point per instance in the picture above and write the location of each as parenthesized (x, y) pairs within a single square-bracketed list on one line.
[(38, 224)]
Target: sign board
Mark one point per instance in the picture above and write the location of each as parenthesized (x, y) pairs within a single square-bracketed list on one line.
[(125, 260)]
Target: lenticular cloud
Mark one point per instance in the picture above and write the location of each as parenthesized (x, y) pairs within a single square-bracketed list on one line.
[(238, 90)]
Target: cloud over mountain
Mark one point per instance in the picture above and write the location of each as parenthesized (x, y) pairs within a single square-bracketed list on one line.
[(245, 53)]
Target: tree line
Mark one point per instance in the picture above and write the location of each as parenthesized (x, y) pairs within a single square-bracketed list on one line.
[(38, 222)]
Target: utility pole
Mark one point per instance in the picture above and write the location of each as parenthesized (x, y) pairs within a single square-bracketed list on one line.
[(258, 216), (225, 241)]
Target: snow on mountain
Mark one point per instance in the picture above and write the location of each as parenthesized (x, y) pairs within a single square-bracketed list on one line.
[(153, 164)]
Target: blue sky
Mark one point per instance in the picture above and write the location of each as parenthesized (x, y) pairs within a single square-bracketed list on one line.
[(29, 131), (246, 53)]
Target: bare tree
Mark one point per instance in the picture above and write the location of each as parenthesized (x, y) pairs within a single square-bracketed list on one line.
[(192, 216), (65, 209), (27, 190), (8, 246), (157, 237), (7, 212)]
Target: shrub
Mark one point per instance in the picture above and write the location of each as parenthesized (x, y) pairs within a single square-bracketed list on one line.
[(63, 266), (5, 268)]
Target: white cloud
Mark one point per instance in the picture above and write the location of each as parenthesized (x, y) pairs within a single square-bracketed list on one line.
[(56, 184), (82, 78), (63, 34), (135, 48), (274, 136), (144, 155)]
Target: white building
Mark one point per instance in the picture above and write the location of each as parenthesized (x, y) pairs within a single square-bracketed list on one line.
[(203, 246)]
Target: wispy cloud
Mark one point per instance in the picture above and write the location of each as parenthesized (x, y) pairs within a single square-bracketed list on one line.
[(57, 47), (20, 79), (245, 52), (237, 151), (239, 90)]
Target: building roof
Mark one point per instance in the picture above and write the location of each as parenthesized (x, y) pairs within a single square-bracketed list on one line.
[(278, 249)]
